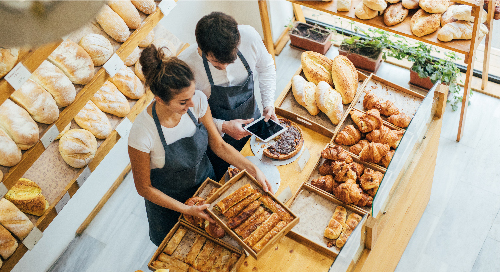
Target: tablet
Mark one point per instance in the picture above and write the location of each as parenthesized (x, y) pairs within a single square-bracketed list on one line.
[(263, 130)]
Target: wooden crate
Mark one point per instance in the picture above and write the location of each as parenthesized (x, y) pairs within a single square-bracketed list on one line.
[(315, 208), (191, 229), (232, 185), (287, 106)]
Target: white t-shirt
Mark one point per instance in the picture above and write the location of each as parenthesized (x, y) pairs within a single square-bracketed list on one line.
[(260, 61), (144, 135)]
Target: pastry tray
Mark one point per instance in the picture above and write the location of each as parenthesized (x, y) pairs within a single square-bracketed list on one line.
[(315, 207), (192, 231), (289, 108), (232, 185), (203, 192)]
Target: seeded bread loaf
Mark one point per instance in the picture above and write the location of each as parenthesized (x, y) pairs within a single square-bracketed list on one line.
[(423, 23)]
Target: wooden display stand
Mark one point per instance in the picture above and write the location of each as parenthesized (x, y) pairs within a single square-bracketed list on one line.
[(465, 47)]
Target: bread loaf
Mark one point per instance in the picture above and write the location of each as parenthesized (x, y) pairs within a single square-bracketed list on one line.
[(8, 244), (77, 147), (127, 11), (329, 102), (423, 23), (305, 94), (37, 101), (94, 120), (10, 154), (110, 100), (138, 71), (395, 14), (66, 129), (464, 12), (434, 6), (14, 220), (410, 4), (8, 59), (447, 17), (75, 63), (365, 13), (128, 83), (53, 80), (113, 24), (378, 5), (146, 6), (98, 47), (133, 57), (148, 40), (18, 124), (460, 30), (393, 1), (27, 196), (345, 78), (343, 5), (167, 47), (316, 67)]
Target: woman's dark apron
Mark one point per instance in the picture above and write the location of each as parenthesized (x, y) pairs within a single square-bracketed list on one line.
[(229, 103), (186, 167)]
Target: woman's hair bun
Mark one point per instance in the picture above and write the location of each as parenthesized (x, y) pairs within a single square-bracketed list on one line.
[(150, 61)]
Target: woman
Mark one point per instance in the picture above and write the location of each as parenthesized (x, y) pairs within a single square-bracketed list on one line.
[(167, 144)]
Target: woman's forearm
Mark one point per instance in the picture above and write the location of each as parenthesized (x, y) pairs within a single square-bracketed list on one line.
[(161, 199)]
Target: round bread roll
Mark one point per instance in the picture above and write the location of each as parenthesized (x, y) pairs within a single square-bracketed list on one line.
[(345, 78), (133, 57), (423, 23), (434, 6), (138, 71), (77, 147), (98, 47), (148, 40), (410, 4), (146, 6), (395, 14), (364, 13), (10, 154), (8, 58), (378, 5), (214, 230), (316, 67)]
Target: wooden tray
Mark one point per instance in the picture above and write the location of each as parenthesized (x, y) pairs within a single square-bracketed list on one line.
[(195, 231), (315, 207), (233, 184), (288, 107)]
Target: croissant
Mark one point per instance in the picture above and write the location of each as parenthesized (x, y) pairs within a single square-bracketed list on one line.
[(388, 108), (374, 152), (371, 101), (368, 121), (385, 135), (336, 153), (358, 168), (348, 136), (400, 120), (356, 149), (343, 172), (372, 192), (371, 179), (324, 183), (387, 159), (350, 193), (326, 168)]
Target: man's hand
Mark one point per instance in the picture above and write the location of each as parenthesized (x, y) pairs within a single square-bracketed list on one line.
[(270, 114), (234, 128)]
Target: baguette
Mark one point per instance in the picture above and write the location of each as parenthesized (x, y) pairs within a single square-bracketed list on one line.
[(27, 196), (175, 241), (232, 199), (94, 120), (8, 58), (304, 93), (14, 220), (113, 24), (276, 208), (37, 101), (10, 153), (18, 124), (77, 147), (128, 83), (279, 227), (127, 11), (8, 244), (195, 250), (245, 214), (236, 209), (98, 47), (55, 82), (329, 102), (146, 6), (261, 231), (74, 61), (110, 100)]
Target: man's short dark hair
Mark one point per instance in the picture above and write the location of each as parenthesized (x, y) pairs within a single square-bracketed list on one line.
[(217, 33)]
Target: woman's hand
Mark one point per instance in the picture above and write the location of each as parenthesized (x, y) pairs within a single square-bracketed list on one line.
[(261, 178), (199, 211)]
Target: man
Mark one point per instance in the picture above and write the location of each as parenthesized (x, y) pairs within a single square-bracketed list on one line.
[(224, 61)]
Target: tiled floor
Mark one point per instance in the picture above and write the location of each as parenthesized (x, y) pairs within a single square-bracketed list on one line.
[(459, 231)]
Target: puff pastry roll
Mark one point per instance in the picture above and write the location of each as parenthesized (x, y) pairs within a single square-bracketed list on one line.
[(207, 266), (258, 216), (204, 255), (175, 241), (233, 198), (236, 209), (195, 250), (276, 208), (262, 230), (223, 259), (280, 226), (244, 215)]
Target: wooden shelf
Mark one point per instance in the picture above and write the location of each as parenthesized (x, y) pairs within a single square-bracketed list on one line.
[(403, 29), (474, 3)]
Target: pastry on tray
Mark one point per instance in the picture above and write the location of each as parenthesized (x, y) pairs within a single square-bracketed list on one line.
[(288, 144)]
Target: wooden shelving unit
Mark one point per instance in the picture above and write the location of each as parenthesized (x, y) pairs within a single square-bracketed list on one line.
[(465, 47), (65, 184)]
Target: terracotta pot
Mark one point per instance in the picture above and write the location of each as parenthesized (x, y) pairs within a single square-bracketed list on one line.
[(425, 83), (309, 44), (362, 62)]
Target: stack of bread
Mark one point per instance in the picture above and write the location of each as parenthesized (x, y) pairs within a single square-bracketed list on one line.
[(339, 228), (254, 217), (189, 251)]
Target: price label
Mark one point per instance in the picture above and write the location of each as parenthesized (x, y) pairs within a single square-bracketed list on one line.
[(3, 190), (64, 200), (17, 76), (285, 195), (124, 127), (32, 238), (113, 65), (304, 158), (49, 136), (166, 6), (83, 177)]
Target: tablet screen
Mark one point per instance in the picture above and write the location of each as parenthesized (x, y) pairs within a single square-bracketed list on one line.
[(264, 130)]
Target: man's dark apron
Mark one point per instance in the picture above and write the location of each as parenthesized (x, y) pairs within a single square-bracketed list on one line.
[(186, 167), (229, 103)]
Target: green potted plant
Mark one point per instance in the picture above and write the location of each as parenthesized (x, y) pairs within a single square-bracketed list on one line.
[(366, 53), (310, 37)]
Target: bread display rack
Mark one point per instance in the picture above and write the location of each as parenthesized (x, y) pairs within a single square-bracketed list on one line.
[(465, 47), (60, 182)]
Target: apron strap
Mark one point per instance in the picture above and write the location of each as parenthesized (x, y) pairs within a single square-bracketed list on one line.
[(195, 121), (245, 63), (207, 69), (158, 125)]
